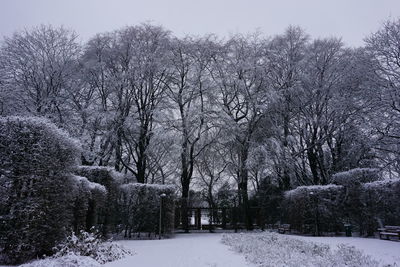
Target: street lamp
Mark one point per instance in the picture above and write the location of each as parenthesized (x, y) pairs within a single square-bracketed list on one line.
[(162, 196)]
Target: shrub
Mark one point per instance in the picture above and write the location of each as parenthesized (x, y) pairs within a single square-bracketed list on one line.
[(90, 245), (70, 260), (36, 161)]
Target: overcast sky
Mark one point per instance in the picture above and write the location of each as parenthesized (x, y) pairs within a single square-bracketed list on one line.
[(350, 19)]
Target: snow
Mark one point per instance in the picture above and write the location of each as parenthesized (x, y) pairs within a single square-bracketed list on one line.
[(382, 183), (388, 252), (89, 184), (310, 188), (70, 260), (184, 250), (206, 249), (159, 187)]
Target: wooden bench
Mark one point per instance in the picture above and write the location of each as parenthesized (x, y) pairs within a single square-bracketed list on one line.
[(283, 228), (389, 231)]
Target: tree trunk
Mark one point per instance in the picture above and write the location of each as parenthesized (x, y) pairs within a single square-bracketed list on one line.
[(312, 159), (118, 149), (184, 204), (242, 186)]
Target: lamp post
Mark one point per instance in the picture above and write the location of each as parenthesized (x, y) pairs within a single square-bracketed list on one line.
[(162, 196)]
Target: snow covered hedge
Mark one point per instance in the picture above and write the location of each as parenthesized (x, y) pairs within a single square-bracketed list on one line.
[(381, 200), (355, 176), (140, 206), (357, 198), (89, 200), (44, 194), (313, 209), (107, 217), (130, 207), (35, 173)]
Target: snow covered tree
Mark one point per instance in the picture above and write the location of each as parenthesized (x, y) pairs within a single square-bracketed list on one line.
[(37, 69), (238, 72), (383, 47), (128, 71), (190, 96)]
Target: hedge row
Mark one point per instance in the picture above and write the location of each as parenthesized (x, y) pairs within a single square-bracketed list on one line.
[(355, 199), (44, 194)]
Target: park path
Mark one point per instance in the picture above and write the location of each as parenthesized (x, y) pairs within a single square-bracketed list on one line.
[(184, 250)]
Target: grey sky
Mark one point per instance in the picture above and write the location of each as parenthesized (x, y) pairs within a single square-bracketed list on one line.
[(350, 19)]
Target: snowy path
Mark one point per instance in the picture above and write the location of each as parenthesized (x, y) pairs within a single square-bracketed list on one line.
[(387, 252), (184, 250)]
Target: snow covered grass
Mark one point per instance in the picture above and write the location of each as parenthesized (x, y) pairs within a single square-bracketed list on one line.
[(275, 250), (260, 249), (387, 252)]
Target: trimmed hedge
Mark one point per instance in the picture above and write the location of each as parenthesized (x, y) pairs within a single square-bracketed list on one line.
[(108, 216), (35, 173), (140, 204), (89, 201), (353, 200), (312, 208), (44, 194)]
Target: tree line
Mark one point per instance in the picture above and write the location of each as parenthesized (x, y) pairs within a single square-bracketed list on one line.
[(209, 113)]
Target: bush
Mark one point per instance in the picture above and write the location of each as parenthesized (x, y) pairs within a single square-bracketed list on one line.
[(36, 161), (90, 245), (70, 260), (140, 204)]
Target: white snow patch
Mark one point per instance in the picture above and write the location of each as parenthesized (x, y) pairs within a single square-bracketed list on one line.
[(184, 250)]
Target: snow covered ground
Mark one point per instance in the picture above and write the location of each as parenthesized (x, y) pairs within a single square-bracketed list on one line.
[(387, 252), (262, 249), (185, 250)]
